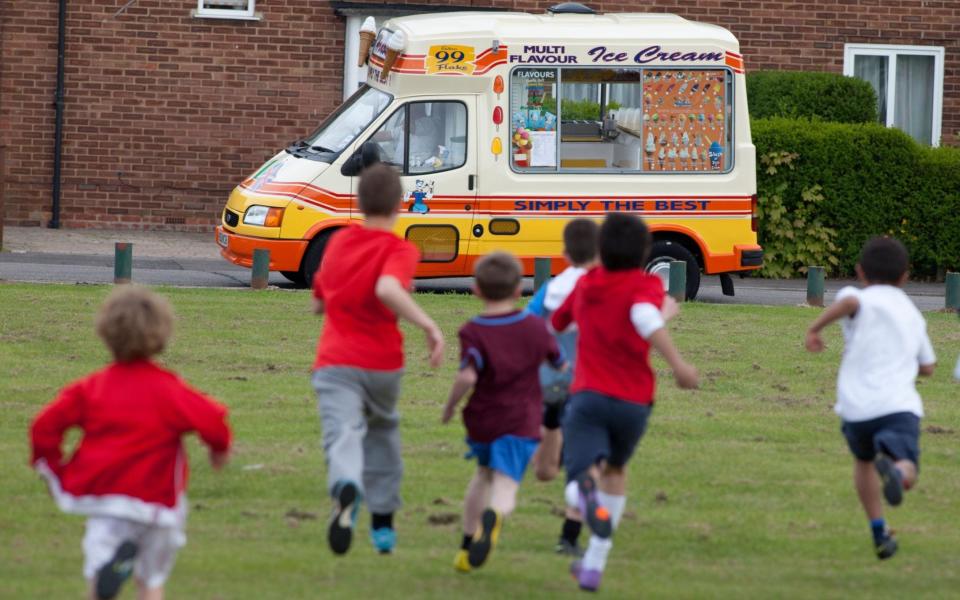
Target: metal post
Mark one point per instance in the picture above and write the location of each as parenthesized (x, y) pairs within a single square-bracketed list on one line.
[(541, 272), (815, 285), (3, 180), (953, 291), (261, 269), (678, 280), (122, 262)]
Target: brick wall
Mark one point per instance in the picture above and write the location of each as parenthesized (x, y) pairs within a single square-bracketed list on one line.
[(165, 113)]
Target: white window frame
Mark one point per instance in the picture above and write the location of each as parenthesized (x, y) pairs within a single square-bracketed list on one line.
[(248, 14), (891, 52)]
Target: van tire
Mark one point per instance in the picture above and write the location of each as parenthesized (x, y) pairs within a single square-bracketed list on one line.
[(664, 252), (314, 256), (295, 277)]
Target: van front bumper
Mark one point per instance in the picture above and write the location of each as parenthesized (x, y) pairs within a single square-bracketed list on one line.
[(285, 255), (743, 258)]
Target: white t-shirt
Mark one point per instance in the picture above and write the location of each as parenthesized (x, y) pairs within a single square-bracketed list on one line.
[(886, 342)]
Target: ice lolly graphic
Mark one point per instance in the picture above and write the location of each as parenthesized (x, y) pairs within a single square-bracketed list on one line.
[(368, 33), (395, 46), (661, 155), (684, 156), (651, 146), (663, 139), (685, 139), (673, 139), (715, 152)]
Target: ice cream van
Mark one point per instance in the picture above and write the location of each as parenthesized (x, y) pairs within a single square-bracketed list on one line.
[(505, 126)]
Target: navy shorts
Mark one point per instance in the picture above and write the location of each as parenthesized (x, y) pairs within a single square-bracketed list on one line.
[(897, 435), (508, 454), (598, 427)]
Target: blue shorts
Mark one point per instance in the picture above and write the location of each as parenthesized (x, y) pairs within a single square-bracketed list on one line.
[(508, 454), (598, 427), (897, 435)]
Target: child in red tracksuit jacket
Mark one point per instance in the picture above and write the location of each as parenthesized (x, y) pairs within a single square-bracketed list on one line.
[(129, 473)]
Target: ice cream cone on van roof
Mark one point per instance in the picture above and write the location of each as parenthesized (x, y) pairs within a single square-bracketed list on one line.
[(395, 46), (368, 33)]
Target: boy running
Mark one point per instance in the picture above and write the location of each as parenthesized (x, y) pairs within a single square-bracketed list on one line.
[(580, 250), (886, 346), (129, 473), (362, 288), (617, 308), (500, 352)]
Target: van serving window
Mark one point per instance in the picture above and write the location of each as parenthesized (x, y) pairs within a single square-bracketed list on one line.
[(638, 120)]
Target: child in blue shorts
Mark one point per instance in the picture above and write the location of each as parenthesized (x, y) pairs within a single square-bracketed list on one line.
[(877, 400), (500, 352)]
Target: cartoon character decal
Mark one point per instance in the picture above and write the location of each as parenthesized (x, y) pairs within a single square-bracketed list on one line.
[(419, 196), (267, 174)]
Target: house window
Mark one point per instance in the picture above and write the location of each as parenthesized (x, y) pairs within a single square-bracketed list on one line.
[(909, 85), (226, 9)]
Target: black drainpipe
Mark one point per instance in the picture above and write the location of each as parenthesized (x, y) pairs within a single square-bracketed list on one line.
[(58, 127)]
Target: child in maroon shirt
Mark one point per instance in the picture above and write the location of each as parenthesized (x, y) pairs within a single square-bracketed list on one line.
[(620, 312), (129, 473), (501, 351)]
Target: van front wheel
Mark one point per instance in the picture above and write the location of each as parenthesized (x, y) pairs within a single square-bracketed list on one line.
[(313, 257), (665, 252)]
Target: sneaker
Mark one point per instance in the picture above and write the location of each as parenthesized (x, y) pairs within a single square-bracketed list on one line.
[(461, 562), (347, 503), (384, 539), (892, 479), (566, 548), (111, 576), (485, 538), (588, 579), (887, 547), (595, 516)]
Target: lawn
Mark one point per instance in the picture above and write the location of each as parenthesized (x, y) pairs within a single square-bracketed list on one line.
[(741, 489)]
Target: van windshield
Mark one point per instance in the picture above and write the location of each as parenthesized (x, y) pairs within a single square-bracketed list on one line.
[(353, 116)]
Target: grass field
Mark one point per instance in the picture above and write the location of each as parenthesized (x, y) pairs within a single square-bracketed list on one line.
[(741, 489)]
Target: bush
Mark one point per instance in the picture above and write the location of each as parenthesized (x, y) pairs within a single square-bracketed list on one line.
[(578, 110), (798, 94), (825, 188)]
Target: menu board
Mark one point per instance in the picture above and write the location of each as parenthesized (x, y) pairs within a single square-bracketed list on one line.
[(685, 120)]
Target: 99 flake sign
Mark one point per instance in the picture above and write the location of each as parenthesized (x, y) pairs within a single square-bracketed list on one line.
[(451, 59)]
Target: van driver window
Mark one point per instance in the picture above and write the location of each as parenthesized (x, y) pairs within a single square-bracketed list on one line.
[(424, 137)]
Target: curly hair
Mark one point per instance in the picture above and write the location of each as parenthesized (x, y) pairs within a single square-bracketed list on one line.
[(135, 323)]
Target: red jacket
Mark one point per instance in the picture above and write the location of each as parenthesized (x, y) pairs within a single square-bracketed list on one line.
[(612, 358), (130, 462)]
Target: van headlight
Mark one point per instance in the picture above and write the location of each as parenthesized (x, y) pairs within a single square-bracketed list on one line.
[(264, 216)]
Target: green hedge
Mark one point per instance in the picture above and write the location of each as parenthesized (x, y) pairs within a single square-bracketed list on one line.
[(825, 188), (797, 94)]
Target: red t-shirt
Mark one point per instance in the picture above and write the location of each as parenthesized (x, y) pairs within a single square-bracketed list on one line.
[(612, 358), (133, 416), (359, 331), (506, 351)]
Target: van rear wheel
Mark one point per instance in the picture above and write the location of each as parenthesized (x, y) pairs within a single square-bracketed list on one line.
[(665, 252), (314, 256)]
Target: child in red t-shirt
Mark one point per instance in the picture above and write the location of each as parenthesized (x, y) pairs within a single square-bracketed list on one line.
[(129, 473), (362, 287), (620, 313), (500, 353)]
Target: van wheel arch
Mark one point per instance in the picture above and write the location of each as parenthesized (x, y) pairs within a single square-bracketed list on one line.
[(669, 246), (313, 257)]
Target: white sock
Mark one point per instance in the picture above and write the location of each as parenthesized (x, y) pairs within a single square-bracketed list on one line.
[(571, 494), (614, 504), (595, 557)]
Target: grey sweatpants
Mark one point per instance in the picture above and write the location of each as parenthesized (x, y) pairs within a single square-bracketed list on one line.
[(361, 438)]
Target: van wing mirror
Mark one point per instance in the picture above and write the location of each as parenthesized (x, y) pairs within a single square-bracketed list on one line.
[(366, 155)]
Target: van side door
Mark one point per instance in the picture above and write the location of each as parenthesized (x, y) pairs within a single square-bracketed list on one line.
[(432, 142)]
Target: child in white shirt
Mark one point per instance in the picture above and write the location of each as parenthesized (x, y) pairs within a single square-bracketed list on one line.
[(886, 347)]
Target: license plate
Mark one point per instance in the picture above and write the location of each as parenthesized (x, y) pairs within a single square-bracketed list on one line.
[(222, 238)]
